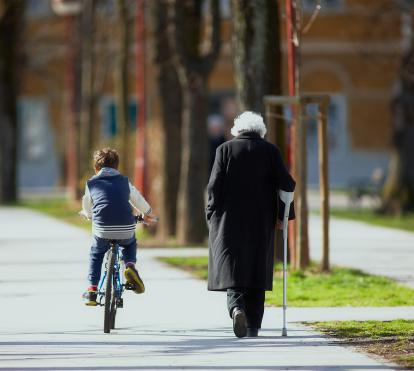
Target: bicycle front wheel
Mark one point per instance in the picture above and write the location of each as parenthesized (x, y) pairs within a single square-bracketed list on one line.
[(109, 319), (113, 304)]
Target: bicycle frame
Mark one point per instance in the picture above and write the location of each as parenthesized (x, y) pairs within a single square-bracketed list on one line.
[(117, 284)]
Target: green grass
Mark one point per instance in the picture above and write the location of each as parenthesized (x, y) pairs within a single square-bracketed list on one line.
[(393, 340), (58, 208), (405, 222), (373, 329), (341, 287), (67, 211), (197, 266), (311, 288)]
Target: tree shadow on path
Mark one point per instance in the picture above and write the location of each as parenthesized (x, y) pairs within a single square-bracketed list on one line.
[(177, 345)]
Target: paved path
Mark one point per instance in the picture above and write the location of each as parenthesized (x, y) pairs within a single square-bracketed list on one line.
[(177, 324), (377, 250)]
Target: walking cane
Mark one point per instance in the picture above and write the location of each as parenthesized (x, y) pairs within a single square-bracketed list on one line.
[(287, 198)]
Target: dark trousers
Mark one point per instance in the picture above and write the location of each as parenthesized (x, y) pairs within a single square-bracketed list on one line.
[(98, 249), (249, 300)]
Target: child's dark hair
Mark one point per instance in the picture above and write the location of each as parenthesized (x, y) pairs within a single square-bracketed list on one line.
[(106, 157)]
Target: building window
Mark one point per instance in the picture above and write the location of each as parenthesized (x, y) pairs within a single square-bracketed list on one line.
[(38, 9), (108, 116), (224, 5), (37, 157), (225, 8), (337, 131), (327, 5)]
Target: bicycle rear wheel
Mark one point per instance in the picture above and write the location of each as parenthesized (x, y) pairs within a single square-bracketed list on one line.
[(110, 302)]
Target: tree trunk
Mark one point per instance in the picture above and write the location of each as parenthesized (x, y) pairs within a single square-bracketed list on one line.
[(10, 23), (171, 136), (87, 131), (256, 50), (171, 102), (121, 84), (257, 66), (73, 86), (398, 196), (191, 225), (193, 67)]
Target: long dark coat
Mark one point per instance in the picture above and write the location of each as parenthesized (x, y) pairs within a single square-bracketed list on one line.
[(242, 211)]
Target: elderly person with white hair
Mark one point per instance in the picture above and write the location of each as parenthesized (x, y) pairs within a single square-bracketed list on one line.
[(242, 212)]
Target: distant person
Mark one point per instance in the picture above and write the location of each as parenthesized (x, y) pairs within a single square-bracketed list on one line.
[(216, 137), (112, 202), (242, 213)]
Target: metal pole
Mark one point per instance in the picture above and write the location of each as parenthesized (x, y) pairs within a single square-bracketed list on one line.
[(298, 234), (139, 169), (287, 198), (291, 66), (285, 233)]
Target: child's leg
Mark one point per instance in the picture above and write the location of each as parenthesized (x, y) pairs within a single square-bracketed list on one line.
[(129, 253), (129, 250), (98, 249)]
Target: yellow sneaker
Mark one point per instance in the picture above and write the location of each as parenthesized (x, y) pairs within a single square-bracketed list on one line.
[(90, 298), (133, 279)]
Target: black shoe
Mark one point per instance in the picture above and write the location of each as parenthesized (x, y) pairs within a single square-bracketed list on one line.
[(252, 332), (90, 297), (239, 323)]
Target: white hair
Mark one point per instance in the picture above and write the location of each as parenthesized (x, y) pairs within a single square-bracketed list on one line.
[(249, 121)]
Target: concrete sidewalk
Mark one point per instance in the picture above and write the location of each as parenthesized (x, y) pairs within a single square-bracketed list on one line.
[(382, 251), (175, 325), (377, 250)]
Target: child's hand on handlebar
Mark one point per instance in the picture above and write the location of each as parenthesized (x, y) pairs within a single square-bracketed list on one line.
[(83, 215), (146, 219), (150, 219)]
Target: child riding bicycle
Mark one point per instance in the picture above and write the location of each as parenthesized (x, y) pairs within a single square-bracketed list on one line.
[(112, 203)]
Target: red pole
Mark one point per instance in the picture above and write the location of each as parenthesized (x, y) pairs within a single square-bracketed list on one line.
[(139, 172), (292, 84), (291, 67)]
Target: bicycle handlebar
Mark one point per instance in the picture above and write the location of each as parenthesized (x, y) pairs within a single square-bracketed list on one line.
[(138, 218)]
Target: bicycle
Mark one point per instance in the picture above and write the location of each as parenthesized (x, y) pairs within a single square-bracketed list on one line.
[(111, 285)]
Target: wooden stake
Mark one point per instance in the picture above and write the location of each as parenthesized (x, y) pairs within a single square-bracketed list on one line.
[(324, 183), (302, 241), (301, 166)]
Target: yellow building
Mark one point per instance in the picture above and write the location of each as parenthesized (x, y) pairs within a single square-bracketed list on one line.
[(352, 51)]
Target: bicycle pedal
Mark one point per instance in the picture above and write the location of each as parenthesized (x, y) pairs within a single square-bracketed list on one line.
[(129, 286)]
